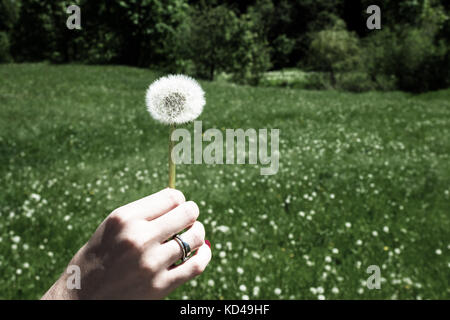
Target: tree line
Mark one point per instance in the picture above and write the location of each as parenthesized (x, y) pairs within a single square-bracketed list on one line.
[(242, 39)]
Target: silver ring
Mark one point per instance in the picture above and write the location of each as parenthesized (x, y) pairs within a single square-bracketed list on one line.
[(185, 248)]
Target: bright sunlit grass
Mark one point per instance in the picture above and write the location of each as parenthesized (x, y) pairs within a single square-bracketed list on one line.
[(364, 180)]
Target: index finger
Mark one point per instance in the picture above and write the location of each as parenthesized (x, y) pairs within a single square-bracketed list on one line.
[(153, 206)]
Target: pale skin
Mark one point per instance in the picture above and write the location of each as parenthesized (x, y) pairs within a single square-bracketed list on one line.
[(131, 254)]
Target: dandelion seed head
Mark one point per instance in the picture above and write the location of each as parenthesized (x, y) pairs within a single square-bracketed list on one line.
[(175, 99)]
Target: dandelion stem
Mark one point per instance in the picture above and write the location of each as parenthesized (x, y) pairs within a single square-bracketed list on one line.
[(171, 163)]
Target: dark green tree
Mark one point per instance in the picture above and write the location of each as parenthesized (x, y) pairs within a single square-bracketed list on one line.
[(213, 39), (334, 49)]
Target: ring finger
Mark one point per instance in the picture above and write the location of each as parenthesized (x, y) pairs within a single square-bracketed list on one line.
[(194, 237)]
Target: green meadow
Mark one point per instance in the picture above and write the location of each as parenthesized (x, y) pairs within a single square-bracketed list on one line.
[(363, 179)]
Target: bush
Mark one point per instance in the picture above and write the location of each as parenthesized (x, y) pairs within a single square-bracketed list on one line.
[(384, 82), (282, 48), (408, 59), (380, 54), (318, 81), (354, 81), (411, 57), (421, 62)]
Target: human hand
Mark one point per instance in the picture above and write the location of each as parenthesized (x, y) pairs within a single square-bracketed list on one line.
[(128, 256)]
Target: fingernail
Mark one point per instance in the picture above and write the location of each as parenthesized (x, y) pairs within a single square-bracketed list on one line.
[(208, 243)]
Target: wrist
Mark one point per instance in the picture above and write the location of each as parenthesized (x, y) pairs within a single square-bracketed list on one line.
[(60, 290)]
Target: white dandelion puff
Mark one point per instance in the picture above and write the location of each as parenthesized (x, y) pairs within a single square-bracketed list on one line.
[(172, 100), (175, 99)]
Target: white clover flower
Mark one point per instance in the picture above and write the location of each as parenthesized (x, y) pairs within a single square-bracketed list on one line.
[(223, 229), (16, 239), (175, 99)]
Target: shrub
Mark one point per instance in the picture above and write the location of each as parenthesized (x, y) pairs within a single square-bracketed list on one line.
[(408, 59), (318, 81), (411, 57), (354, 81), (282, 49), (420, 63), (380, 54)]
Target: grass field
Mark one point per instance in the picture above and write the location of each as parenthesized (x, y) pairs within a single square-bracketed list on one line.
[(364, 180)]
